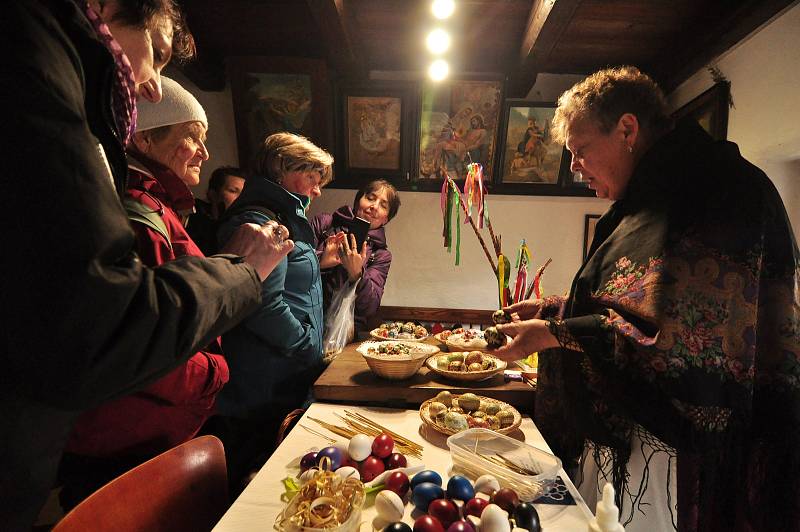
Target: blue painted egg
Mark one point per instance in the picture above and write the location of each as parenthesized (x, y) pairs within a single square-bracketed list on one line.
[(460, 488), (426, 476), (424, 493), (334, 453)]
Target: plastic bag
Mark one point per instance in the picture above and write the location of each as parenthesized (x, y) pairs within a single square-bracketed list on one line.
[(339, 322)]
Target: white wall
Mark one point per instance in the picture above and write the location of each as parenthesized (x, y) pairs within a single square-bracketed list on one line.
[(764, 71)]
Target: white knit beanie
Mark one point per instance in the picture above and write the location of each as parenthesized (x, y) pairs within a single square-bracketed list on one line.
[(176, 107)]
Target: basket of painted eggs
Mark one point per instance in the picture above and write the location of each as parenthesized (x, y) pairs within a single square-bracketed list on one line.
[(457, 506), (395, 360), (466, 365), (449, 413), (408, 331)]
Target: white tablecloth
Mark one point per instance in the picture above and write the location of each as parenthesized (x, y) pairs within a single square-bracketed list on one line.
[(260, 502)]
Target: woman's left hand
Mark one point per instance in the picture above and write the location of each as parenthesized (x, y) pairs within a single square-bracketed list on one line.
[(351, 259), (527, 337)]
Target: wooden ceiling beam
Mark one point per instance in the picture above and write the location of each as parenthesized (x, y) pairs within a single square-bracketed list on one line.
[(547, 22), (336, 25), (676, 66)]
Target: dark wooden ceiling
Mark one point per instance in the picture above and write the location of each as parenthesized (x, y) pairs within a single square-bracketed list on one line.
[(670, 39)]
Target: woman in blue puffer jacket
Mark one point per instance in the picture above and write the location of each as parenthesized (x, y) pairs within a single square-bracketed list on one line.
[(275, 355)]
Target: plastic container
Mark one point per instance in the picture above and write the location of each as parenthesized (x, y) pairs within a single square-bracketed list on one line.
[(470, 451)]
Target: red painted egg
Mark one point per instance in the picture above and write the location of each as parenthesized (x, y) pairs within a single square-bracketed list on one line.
[(370, 468), (427, 523), (475, 507), (395, 460), (397, 482), (445, 511), (383, 445), (506, 499)]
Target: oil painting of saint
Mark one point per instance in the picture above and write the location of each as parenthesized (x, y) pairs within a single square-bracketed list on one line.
[(373, 132)]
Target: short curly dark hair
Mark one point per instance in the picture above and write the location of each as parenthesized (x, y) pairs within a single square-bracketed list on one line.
[(145, 14), (606, 95)]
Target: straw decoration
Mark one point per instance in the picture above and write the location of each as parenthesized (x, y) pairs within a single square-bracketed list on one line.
[(362, 425)]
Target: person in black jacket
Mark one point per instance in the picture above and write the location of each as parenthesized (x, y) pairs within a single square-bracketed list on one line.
[(83, 320)]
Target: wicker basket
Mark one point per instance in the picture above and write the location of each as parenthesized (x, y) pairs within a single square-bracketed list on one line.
[(397, 367)]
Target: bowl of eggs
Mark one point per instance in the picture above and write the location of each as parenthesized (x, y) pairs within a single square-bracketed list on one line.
[(395, 360), (449, 413), (466, 365)]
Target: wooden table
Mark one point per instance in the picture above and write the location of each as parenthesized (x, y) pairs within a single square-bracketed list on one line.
[(260, 503), (348, 379)]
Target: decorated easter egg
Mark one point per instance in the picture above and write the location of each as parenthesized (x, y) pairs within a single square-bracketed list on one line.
[(505, 498), (526, 516), (308, 461), (506, 418), (360, 447), (445, 397), (334, 453), (460, 488), (382, 445), (398, 483), (389, 506), (395, 460), (487, 484), (424, 493), (426, 476), (495, 519), (475, 506), (397, 527), (455, 421), (473, 357), (444, 510), (494, 338), (371, 468), (469, 402), (491, 408), (501, 316), (427, 523)]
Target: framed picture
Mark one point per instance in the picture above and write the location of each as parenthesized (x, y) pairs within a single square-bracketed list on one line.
[(275, 94), (588, 232), (458, 125), (710, 109), (376, 125), (530, 161)]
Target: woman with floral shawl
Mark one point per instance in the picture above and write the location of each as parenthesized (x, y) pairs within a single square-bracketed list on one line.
[(681, 331)]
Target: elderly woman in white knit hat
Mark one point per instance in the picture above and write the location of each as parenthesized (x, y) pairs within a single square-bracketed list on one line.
[(164, 160)]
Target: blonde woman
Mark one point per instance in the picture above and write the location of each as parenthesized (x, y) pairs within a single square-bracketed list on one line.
[(276, 354)]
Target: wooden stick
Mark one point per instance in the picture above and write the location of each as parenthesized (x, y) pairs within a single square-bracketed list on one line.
[(539, 273), (472, 223), (495, 239), (321, 435)]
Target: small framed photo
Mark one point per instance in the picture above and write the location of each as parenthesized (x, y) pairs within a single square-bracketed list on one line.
[(376, 122), (276, 94), (530, 161), (710, 109), (588, 232)]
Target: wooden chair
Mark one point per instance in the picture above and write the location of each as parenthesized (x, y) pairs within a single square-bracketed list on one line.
[(183, 489), (288, 422)]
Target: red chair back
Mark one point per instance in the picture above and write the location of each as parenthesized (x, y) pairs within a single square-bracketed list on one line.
[(183, 489)]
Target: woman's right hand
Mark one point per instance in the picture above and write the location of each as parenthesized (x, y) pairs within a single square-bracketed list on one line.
[(527, 309), (261, 246), (330, 253)]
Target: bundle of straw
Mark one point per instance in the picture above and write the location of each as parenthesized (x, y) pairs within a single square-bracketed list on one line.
[(358, 424)]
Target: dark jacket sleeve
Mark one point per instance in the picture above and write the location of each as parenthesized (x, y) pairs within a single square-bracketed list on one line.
[(83, 320), (370, 287)]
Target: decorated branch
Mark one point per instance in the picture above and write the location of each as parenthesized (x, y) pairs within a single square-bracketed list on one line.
[(473, 200)]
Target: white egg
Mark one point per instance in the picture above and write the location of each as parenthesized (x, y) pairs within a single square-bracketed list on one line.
[(348, 472), (487, 484), (389, 506), (306, 475), (360, 447), (494, 519)]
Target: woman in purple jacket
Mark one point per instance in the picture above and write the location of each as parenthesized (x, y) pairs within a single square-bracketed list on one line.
[(340, 261)]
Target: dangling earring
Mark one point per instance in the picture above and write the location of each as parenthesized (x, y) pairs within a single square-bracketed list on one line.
[(630, 149)]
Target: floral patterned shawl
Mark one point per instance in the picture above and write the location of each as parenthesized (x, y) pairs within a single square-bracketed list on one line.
[(684, 323)]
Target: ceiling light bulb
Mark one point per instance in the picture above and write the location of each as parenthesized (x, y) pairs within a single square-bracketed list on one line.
[(438, 70), (443, 8), (438, 41)]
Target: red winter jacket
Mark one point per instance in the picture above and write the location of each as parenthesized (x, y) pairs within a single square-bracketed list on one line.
[(171, 410)]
